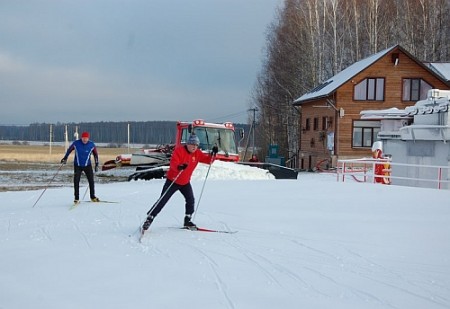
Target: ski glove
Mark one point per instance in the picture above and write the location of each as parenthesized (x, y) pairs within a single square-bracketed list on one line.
[(63, 160), (182, 166), (96, 167), (215, 150)]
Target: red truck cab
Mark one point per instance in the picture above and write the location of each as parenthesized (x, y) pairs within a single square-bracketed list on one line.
[(211, 134)]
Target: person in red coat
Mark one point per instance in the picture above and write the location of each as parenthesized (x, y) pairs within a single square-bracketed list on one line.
[(183, 162), (382, 170), (254, 158)]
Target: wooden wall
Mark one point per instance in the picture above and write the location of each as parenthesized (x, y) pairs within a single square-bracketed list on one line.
[(343, 98)]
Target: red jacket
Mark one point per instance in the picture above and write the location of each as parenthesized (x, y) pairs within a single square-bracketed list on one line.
[(180, 156)]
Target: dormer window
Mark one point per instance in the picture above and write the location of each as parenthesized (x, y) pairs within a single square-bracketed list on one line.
[(369, 89)]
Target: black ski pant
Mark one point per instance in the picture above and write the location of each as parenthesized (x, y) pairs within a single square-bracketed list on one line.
[(76, 180), (167, 193)]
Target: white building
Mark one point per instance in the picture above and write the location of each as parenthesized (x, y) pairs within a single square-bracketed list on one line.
[(418, 135)]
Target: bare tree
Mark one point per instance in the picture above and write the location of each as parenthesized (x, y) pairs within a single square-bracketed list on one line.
[(312, 40)]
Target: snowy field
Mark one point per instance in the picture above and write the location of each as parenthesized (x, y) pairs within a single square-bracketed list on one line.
[(306, 243)]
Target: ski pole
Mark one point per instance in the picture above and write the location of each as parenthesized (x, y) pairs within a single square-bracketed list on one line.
[(203, 187), (164, 193), (85, 192), (51, 180)]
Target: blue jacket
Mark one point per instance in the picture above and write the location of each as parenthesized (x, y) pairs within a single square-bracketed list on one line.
[(82, 153)]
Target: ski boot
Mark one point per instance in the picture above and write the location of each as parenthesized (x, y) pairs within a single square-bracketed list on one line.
[(147, 223), (95, 199), (188, 224)]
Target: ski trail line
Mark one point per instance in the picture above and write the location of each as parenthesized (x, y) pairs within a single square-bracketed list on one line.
[(83, 235), (220, 283)]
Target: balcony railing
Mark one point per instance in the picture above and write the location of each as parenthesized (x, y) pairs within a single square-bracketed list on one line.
[(414, 175)]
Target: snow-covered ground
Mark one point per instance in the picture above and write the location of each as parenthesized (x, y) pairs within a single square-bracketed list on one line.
[(306, 243)]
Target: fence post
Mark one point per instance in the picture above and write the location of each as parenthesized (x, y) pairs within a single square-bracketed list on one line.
[(439, 177), (343, 173)]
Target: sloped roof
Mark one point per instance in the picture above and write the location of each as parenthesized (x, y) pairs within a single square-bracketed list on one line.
[(441, 68), (332, 84)]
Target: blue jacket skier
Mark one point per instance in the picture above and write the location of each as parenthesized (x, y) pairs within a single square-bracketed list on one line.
[(84, 148)]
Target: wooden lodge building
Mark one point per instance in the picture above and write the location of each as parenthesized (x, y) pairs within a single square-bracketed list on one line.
[(331, 126)]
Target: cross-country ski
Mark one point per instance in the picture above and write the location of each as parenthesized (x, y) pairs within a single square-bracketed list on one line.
[(143, 232), (201, 229), (77, 203)]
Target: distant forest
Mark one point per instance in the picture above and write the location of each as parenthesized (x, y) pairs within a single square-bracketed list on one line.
[(144, 132)]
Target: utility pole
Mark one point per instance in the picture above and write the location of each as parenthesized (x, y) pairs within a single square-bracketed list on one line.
[(75, 135), (128, 133), (253, 126), (51, 135), (252, 131), (66, 138)]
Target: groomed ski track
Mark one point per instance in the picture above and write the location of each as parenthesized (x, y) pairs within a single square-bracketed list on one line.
[(295, 248)]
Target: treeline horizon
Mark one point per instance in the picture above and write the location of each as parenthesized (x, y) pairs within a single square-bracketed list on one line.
[(140, 132)]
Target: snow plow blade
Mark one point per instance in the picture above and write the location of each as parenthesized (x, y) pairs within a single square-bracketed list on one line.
[(150, 173), (280, 172)]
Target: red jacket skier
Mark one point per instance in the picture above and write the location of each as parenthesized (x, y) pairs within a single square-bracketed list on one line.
[(182, 164)]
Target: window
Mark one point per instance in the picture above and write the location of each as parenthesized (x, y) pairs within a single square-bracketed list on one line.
[(369, 89), (365, 133), (184, 135), (220, 137), (316, 124), (307, 124), (326, 123), (415, 89)]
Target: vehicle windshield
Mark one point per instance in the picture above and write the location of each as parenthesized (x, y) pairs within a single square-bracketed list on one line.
[(223, 138)]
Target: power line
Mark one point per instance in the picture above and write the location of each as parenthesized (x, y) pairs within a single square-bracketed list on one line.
[(229, 116)]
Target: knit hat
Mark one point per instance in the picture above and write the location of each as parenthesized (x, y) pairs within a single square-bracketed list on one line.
[(193, 140), (85, 134)]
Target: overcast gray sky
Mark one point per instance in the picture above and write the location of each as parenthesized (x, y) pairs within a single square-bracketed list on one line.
[(130, 60)]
